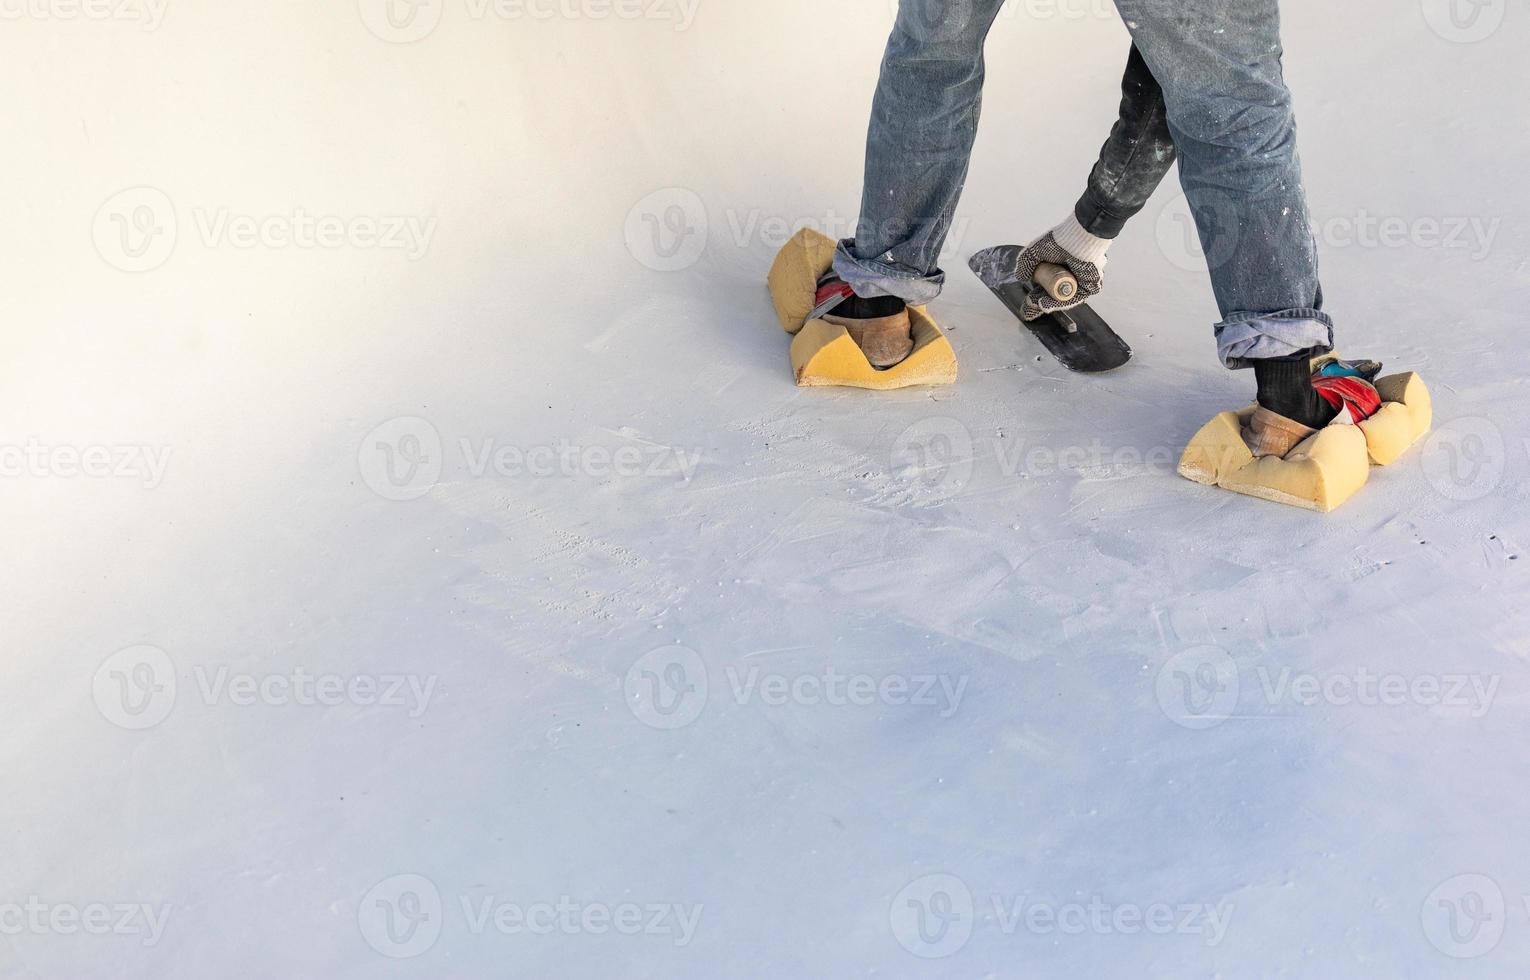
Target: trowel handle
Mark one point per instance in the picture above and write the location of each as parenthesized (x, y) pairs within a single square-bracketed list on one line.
[(1057, 281)]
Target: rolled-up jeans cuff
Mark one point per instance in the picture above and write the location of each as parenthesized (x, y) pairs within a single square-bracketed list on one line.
[(1245, 337), (872, 277)]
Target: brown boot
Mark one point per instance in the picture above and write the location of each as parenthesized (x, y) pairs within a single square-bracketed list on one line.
[(885, 340), (1269, 434), (879, 325)]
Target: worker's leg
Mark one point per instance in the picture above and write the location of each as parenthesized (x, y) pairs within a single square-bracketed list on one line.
[(1219, 64), (923, 123)]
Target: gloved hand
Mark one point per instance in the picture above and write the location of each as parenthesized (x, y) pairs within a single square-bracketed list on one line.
[(1045, 249)]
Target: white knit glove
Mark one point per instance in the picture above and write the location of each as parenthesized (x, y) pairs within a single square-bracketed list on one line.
[(1066, 245)]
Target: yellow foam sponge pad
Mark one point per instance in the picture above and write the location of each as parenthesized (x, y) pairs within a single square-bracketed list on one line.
[(822, 353), (1405, 417), (1323, 470)]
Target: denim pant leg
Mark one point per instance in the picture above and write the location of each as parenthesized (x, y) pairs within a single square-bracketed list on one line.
[(923, 122), (1229, 111), (1136, 156)]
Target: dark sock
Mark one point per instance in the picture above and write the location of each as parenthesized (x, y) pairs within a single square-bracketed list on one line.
[(854, 307), (861, 308), (1285, 388)]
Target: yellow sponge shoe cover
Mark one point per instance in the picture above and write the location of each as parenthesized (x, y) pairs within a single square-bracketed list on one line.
[(822, 353), (1320, 473), (1405, 417), (1323, 470)]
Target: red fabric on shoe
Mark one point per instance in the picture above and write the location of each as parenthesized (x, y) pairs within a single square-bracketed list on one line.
[(834, 287), (1354, 396)]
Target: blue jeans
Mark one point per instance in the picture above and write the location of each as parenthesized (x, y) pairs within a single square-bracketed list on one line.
[(1204, 81)]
